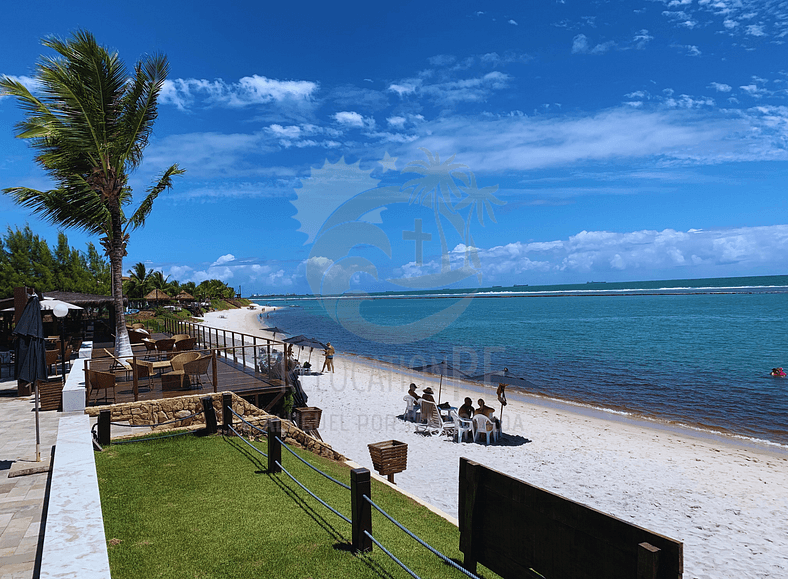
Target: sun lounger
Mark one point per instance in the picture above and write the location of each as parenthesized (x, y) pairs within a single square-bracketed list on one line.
[(434, 423)]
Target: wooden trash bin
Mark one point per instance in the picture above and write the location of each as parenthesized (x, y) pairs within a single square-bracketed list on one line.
[(389, 457), (308, 418)]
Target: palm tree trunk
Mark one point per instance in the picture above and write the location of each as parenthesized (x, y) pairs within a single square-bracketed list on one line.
[(122, 342)]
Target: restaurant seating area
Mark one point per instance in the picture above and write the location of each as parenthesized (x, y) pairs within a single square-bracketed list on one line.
[(169, 365)]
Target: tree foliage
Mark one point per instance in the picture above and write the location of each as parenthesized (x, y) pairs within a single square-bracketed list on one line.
[(27, 260)]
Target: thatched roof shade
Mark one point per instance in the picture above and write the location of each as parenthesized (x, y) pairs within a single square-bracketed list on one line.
[(185, 296), (157, 295)]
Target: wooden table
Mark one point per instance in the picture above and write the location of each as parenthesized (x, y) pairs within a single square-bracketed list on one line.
[(154, 365)]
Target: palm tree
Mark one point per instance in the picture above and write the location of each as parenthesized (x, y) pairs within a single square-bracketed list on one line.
[(89, 123), (139, 281)]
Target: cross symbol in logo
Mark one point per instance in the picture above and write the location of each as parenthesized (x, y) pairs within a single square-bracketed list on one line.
[(419, 237)]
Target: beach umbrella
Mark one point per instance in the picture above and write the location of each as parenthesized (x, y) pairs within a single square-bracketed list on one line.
[(275, 331), (444, 369), (30, 354), (184, 297), (304, 342)]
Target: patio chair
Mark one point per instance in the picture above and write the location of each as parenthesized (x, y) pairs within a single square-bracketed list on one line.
[(184, 344), (138, 336), (165, 345), (150, 346), (127, 366), (434, 423), (411, 410), (50, 359), (463, 425), (197, 368), (177, 337), (483, 426), (174, 379), (101, 381)]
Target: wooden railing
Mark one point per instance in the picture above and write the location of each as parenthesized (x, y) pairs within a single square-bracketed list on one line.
[(217, 343)]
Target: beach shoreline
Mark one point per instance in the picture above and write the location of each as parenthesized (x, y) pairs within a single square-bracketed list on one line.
[(724, 498)]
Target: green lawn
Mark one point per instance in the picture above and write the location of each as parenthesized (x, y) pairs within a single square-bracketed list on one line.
[(205, 508)]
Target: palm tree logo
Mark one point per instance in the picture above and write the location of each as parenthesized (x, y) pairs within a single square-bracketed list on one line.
[(447, 187)]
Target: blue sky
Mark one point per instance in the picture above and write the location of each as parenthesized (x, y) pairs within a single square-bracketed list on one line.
[(619, 140)]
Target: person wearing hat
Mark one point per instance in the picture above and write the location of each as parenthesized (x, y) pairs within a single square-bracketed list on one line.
[(412, 391), (428, 394), (329, 361)]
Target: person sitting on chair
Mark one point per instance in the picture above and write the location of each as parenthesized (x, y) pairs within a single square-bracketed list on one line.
[(412, 391), (484, 409), (466, 410), (428, 394)]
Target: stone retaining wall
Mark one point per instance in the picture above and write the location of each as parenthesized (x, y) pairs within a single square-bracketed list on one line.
[(155, 412)]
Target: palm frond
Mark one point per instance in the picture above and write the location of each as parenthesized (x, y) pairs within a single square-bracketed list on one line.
[(142, 212)]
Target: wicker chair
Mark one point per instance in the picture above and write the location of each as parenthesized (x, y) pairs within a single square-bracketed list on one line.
[(197, 368), (165, 345), (101, 381), (177, 337), (184, 344), (174, 380), (51, 357)]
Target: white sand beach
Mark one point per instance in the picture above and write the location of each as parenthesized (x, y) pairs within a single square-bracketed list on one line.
[(727, 500)]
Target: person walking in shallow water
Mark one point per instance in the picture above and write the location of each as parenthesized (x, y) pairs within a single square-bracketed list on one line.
[(329, 361)]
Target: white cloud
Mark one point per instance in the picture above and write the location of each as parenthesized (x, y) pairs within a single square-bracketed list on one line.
[(512, 22), (249, 90), (639, 252), (224, 259), (354, 120), (580, 45), (396, 121), (720, 87), (641, 39), (403, 88), (683, 134), (755, 30)]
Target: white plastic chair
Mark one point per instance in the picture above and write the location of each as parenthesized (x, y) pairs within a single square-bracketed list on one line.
[(434, 423), (463, 425), (411, 410), (483, 426)]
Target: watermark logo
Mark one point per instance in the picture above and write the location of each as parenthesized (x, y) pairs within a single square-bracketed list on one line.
[(339, 208)]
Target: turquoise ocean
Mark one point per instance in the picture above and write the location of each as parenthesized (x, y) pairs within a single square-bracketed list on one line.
[(696, 353)]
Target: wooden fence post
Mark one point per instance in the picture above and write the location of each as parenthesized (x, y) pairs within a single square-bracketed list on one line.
[(215, 371), (274, 446), (648, 561), (210, 415), (104, 420), (360, 509), (135, 378), (227, 416)]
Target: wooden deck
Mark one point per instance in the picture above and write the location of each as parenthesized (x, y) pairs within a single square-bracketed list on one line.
[(231, 375)]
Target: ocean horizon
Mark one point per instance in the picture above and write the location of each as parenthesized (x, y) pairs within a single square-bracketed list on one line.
[(695, 353)]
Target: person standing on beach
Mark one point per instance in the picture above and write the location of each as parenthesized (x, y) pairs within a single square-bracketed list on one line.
[(329, 361)]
